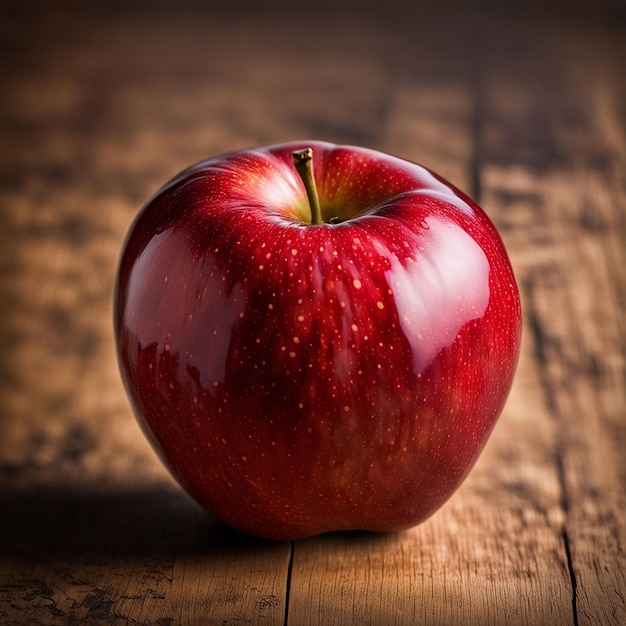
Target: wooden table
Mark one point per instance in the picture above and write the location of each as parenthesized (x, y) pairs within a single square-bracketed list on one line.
[(101, 105)]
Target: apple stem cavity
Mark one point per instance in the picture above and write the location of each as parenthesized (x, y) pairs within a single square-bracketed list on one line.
[(303, 160)]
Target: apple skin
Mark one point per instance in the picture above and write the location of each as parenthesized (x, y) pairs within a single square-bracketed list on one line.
[(297, 378)]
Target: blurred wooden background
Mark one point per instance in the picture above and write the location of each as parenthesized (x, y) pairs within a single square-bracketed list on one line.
[(524, 108)]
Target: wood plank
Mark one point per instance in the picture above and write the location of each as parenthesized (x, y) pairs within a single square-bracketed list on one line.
[(556, 153), (142, 554)]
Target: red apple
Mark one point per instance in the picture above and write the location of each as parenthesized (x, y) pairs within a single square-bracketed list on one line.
[(304, 374)]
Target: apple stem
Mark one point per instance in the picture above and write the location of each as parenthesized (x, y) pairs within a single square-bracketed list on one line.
[(303, 160)]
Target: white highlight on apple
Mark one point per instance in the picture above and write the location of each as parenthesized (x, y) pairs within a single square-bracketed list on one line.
[(191, 334), (437, 293), (279, 188)]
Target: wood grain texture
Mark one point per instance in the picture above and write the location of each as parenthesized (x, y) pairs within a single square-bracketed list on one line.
[(101, 105), (573, 280)]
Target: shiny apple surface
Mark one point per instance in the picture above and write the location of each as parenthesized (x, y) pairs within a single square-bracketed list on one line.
[(298, 379)]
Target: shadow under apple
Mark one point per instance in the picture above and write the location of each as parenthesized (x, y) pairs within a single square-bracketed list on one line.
[(81, 525), (53, 523)]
